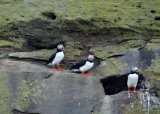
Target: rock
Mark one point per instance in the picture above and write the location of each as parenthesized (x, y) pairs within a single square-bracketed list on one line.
[(136, 107), (153, 70), (153, 45), (5, 94), (104, 52), (70, 54), (39, 55), (61, 93), (119, 65)]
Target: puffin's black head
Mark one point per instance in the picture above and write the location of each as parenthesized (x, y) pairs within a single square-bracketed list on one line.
[(134, 70), (60, 47), (90, 58)]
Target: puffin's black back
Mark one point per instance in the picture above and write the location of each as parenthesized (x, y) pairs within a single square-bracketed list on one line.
[(115, 83), (78, 65)]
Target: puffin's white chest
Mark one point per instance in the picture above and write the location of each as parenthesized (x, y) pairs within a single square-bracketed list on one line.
[(58, 58), (86, 67), (132, 80)]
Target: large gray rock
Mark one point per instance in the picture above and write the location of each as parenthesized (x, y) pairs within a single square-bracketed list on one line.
[(38, 89)]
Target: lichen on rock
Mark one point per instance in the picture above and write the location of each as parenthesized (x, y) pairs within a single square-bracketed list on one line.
[(153, 44), (71, 49), (136, 107), (15, 43), (5, 95), (111, 66), (39, 54), (153, 70), (103, 52), (27, 94), (153, 74)]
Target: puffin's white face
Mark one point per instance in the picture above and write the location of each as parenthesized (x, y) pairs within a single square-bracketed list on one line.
[(134, 69), (90, 57), (60, 47)]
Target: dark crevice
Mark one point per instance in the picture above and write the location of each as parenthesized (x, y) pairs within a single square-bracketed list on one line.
[(122, 41), (157, 18), (115, 56), (117, 19), (65, 63), (117, 83), (153, 11), (7, 19), (37, 60), (139, 5), (48, 76), (16, 111), (43, 44), (50, 15), (3, 56)]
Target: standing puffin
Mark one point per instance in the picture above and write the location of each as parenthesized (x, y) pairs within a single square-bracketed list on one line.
[(133, 80), (84, 66), (57, 57)]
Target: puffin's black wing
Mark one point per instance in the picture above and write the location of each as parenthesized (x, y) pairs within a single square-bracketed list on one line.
[(51, 58), (78, 65)]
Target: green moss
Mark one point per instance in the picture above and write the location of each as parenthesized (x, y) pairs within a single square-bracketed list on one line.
[(107, 51), (153, 70), (136, 108), (152, 46), (28, 93), (16, 43), (22, 101), (112, 67), (134, 15), (107, 14), (71, 51), (4, 43), (155, 40), (153, 73), (22, 10), (5, 95), (133, 43), (133, 108)]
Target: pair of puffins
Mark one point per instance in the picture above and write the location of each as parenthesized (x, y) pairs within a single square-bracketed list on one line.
[(83, 66)]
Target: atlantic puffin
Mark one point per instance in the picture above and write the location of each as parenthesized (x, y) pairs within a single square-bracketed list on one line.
[(57, 57), (133, 80), (84, 66)]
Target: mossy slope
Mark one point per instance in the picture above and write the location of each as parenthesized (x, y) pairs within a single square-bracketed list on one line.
[(86, 14)]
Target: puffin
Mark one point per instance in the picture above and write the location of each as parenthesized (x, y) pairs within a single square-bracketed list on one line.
[(133, 80), (84, 66), (57, 57)]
